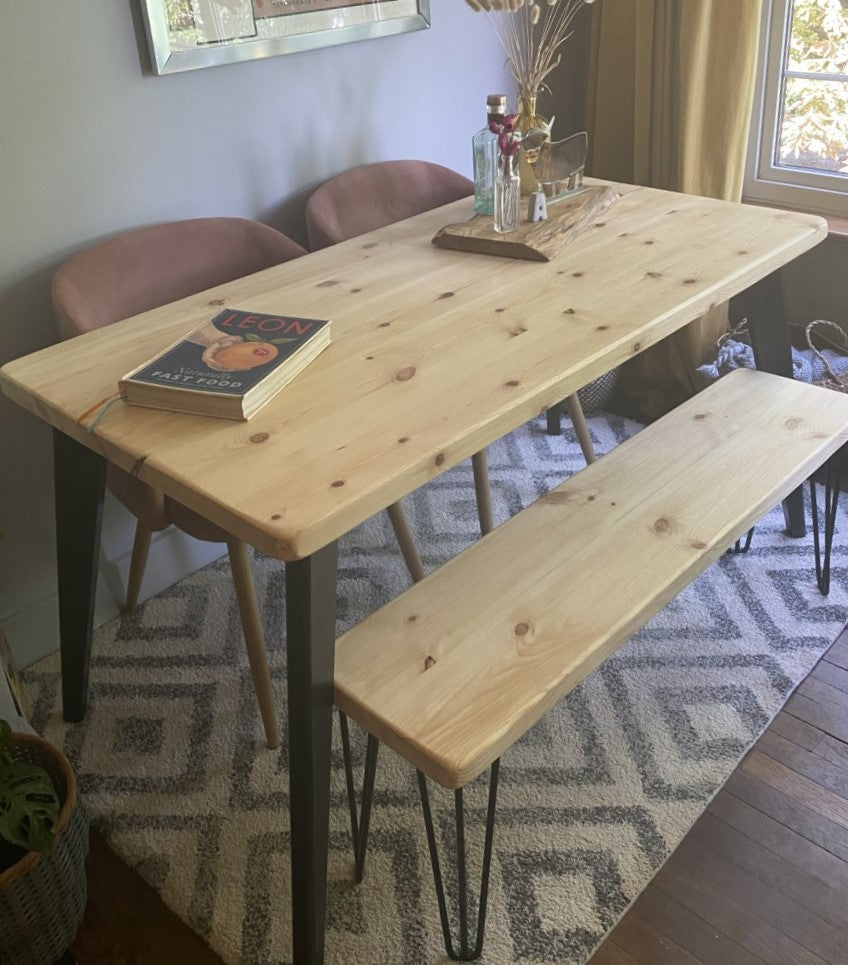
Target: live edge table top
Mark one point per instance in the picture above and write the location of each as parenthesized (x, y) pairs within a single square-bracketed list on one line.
[(435, 354)]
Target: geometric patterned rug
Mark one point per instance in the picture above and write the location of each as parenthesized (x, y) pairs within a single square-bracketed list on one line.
[(174, 772)]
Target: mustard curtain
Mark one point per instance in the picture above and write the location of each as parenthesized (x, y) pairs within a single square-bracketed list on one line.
[(670, 97)]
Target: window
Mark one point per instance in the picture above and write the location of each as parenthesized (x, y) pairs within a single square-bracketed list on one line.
[(798, 153)]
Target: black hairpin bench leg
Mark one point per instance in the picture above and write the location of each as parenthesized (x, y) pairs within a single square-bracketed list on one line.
[(739, 546), (359, 824), (465, 952), (832, 478)]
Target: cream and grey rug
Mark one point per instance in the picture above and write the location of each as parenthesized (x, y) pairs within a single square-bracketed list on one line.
[(174, 771)]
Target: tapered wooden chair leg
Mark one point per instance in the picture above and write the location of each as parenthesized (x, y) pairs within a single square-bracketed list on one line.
[(254, 640), (483, 492), (578, 420), (138, 562), (407, 542)]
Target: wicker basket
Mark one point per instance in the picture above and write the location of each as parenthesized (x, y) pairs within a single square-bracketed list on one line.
[(596, 395), (830, 380), (42, 897)]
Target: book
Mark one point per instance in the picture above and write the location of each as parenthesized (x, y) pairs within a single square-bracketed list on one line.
[(228, 367)]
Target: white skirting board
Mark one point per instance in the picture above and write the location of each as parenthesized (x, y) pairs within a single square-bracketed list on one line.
[(33, 631)]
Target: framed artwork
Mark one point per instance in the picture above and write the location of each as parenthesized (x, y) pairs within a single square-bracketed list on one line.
[(187, 34)]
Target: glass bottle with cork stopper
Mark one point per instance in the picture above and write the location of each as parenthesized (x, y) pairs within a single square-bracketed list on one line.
[(484, 147)]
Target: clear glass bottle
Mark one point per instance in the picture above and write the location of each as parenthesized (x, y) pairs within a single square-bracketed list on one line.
[(484, 147), (507, 195)]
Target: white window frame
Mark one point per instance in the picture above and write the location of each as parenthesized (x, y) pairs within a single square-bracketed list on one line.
[(765, 181)]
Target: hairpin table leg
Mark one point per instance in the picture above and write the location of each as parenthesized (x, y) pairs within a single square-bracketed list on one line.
[(359, 824), (465, 952), (832, 477), (739, 546)]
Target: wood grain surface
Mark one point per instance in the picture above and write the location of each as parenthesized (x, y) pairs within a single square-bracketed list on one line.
[(435, 355), (761, 877), (537, 241), (454, 670)]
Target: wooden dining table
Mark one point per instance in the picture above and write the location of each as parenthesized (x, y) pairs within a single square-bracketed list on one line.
[(435, 355)]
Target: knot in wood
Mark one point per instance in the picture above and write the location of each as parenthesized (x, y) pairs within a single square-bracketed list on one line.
[(429, 662), (259, 437), (405, 374), (793, 422), (522, 629), (662, 525)]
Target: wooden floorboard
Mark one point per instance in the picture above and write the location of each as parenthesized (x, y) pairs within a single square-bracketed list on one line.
[(761, 879), (127, 923)]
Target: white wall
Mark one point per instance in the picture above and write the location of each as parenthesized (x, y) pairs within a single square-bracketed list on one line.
[(93, 144)]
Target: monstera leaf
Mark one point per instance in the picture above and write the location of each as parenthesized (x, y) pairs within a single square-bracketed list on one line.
[(29, 806)]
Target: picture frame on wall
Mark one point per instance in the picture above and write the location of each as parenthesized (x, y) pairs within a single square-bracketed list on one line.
[(189, 34)]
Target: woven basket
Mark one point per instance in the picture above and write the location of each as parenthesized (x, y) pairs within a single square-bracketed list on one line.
[(830, 380), (42, 897), (596, 395)]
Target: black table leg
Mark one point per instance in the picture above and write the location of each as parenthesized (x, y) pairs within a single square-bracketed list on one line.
[(554, 420), (769, 330), (79, 475), (310, 644)]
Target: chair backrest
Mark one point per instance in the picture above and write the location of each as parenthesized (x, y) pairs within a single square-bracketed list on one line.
[(374, 195), (152, 266)]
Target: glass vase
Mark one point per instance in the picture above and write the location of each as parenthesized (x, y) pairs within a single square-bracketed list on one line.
[(529, 120), (507, 195), (484, 147)]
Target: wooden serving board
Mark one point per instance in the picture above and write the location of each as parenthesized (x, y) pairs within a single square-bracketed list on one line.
[(537, 241)]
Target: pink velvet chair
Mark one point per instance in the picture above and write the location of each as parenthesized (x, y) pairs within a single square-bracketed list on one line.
[(133, 273), (373, 196)]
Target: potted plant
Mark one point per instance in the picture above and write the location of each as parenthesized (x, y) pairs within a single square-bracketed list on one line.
[(43, 846)]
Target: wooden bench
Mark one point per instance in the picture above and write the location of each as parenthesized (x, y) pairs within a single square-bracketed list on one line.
[(455, 670)]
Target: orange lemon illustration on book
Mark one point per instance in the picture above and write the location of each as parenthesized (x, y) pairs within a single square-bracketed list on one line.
[(238, 355), (233, 353)]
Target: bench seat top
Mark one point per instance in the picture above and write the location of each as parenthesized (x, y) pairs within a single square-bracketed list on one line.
[(453, 671)]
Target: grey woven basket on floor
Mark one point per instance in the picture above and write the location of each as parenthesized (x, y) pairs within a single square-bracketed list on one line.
[(42, 897), (595, 396)]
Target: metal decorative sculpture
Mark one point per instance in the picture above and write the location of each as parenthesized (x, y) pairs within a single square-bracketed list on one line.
[(560, 165)]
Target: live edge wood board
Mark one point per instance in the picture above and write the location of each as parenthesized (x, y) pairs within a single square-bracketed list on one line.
[(435, 355), (538, 241)]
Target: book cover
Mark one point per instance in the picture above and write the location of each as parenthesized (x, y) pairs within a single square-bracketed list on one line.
[(231, 354)]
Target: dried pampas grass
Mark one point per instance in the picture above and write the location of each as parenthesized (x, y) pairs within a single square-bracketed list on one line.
[(531, 33)]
